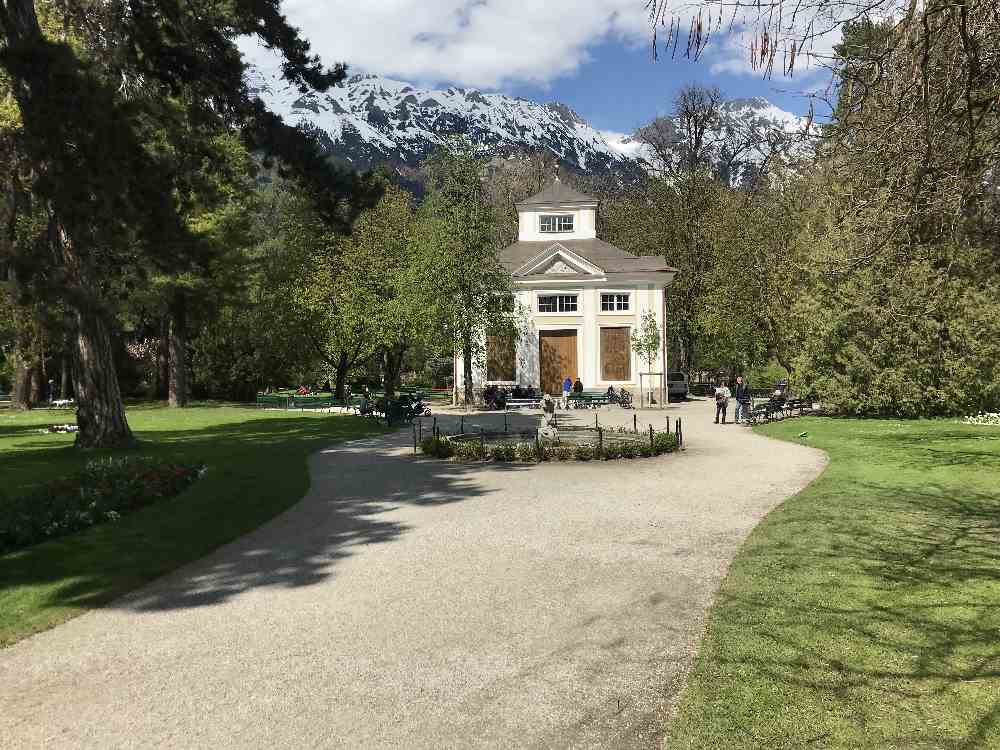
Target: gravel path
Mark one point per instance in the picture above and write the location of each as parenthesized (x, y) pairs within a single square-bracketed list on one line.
[(414, 603)]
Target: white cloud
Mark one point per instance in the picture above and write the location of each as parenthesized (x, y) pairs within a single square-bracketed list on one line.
[(483, 43)]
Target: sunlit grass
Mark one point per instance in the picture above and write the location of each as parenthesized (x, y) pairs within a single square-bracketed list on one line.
[(256, 468), (865, 612)]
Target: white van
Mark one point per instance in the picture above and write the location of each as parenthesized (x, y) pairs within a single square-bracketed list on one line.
[(677, 385)]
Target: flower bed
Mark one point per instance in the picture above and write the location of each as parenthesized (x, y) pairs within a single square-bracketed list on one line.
[(610, 446), (105, 490), (984, 418)]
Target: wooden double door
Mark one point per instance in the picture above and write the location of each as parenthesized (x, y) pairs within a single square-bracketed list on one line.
[(557, 359)]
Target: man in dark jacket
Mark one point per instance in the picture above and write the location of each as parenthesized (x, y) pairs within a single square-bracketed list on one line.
[(743, 399)]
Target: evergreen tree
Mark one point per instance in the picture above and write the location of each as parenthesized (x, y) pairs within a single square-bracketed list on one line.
[(83, 101)]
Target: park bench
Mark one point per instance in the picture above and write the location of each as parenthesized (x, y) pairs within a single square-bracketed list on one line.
[(272, 401), (6, 399), (588, 399), (313, 402)]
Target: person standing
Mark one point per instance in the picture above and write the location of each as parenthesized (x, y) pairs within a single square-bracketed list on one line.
[(743, 400), (567, 387), (722, 396)]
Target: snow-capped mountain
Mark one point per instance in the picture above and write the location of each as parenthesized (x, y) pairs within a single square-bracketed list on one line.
[(373, 120)]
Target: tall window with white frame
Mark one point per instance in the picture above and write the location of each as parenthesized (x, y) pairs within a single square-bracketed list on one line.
[(615, 302), (555, 223)]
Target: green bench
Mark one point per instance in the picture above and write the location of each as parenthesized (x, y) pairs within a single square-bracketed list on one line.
[(588, 399), (6, 399), (272, 401)]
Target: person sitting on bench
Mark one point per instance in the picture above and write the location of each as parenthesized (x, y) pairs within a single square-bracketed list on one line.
[(578, 386)]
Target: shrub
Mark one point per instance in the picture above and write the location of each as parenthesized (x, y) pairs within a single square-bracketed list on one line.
[(504, 452), (611, 451), (584, 452), (528, 452), (628, 449), (664, 442), (562, 453), (645, 450), (437, 448), (470, 450), (104, 490)]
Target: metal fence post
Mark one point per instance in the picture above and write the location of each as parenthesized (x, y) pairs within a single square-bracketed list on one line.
[(505, 428), (414, 439), (461, 428), (651, 437), (600, 442), (635, 423)]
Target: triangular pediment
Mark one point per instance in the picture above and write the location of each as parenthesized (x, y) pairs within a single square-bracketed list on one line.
[(558, 260)]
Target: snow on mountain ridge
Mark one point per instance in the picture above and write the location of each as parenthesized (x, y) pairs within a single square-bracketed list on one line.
[(372, 119)]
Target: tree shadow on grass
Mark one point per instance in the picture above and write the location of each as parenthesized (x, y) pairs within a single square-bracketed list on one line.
[(891, 609), (257, 470)]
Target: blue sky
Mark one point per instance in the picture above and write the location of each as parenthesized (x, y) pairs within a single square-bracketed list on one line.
[(590, 54), (621, 88)]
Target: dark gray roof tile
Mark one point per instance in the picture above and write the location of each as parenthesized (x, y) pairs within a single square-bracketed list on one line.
[(606, 257)]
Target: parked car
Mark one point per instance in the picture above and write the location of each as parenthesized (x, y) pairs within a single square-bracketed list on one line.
[(677, 385)]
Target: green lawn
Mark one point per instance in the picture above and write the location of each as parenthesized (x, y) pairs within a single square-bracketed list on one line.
[(256, 468), (865, 612)]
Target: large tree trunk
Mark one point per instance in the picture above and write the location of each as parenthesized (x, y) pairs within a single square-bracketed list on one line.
[(163, 361), (100, 413), (64, 376), (46, 81), (21, 396), (469, 394), (392, 365), (37, 384), (343, 365), (178, 390)]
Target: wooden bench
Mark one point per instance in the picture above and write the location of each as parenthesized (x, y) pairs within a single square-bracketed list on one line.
[(6, 399)]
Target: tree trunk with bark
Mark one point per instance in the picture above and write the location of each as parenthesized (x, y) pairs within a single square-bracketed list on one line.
[(21, 395), (163, 360), (37, 384), (178, 388), (392, 364), (469, 394), (48, 84), (341, 370), (100, 413), (64, 377)]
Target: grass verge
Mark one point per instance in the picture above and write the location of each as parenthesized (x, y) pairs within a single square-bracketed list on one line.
[(864, 612), (256, 468)]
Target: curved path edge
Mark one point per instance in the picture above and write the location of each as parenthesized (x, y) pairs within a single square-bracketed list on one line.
[(415, 603)]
